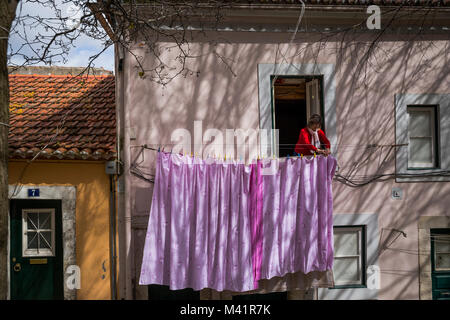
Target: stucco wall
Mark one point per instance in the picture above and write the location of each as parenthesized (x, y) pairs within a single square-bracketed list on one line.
[(365, 115), (92, 216)]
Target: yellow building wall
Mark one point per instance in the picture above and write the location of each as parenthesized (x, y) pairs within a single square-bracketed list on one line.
[(92, 215)]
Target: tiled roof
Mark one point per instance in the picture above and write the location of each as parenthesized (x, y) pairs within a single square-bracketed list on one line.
[(67, 117)]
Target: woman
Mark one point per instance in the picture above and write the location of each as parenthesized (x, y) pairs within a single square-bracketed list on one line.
[(312, 138)]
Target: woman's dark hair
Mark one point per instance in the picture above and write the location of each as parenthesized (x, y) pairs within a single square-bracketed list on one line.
[(315, 119)]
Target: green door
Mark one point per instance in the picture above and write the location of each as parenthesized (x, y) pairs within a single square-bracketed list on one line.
[(36, 250), (440, 263)]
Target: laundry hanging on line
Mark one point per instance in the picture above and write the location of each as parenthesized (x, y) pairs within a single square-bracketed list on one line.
[(226, 226)]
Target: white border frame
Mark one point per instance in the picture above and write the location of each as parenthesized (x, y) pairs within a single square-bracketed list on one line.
[(402, 100), (370, 220), (425, 224), (327, 70)]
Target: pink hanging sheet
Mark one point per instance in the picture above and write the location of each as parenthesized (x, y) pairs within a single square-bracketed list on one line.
[(225, 226)]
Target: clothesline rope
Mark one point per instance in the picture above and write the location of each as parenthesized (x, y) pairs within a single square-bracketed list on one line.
[(233, 159), (231, 155), (279, 144)]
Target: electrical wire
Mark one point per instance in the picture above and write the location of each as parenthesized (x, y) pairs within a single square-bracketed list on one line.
[(360, 181), (383, 177), (141, 176)]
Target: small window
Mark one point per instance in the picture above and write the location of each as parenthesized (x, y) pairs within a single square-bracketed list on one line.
[(422, 143), (441, 252), (38, 232), (349, 256)]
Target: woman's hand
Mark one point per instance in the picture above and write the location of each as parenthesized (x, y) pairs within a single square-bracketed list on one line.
[(325, 152), (320, 151)]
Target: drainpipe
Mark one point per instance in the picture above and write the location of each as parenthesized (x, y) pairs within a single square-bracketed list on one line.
[(112, 236), (124, 223)]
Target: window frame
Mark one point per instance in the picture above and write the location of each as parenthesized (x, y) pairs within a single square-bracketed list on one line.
[(44, 252), (362, 229), (434, 233), (326, 70), (402, 100), (433, 109)]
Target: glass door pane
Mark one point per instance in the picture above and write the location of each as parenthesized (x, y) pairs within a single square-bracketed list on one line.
[(38, 236)]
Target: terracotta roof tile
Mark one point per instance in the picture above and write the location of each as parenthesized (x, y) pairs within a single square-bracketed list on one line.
[(73, 117)]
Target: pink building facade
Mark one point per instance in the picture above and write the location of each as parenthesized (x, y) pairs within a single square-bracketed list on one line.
[(384, 95)]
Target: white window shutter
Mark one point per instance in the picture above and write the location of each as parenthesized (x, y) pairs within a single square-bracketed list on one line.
[(421, 137), (312, 98)]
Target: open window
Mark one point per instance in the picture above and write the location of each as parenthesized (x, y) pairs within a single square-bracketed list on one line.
[(295, 99)]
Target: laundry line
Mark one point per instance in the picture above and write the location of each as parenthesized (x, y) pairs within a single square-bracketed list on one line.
[(227, 157), (231, 156), (370, 145)]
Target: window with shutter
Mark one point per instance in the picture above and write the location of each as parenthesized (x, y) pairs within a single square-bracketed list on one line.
[(422, 151)]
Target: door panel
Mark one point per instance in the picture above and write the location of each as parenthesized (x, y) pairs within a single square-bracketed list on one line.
[(36, 249)]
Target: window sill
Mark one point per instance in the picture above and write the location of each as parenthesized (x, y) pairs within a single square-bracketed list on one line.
[(416, 177), (422, 175)]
